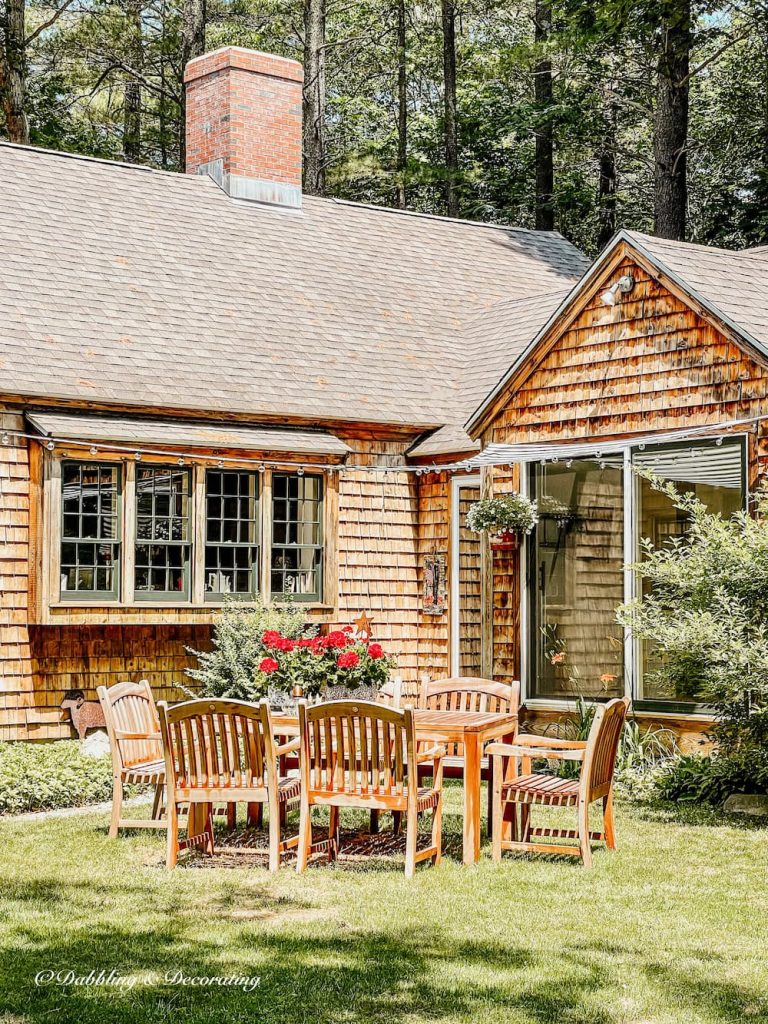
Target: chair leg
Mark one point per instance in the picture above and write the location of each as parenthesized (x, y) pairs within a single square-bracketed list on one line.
[(608, 823), (117, 805), (585, 847), (525, 823), (374, 822), (172, 839), (333, 834), (305, 837), (411, 836), (231, 816), (397, 822), (255, 816), (437, 829), (209, 829), (157, 803), (497, 816), (275, 825)]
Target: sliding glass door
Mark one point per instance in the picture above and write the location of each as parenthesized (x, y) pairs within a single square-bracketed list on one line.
[(593, 514), (578, 577)]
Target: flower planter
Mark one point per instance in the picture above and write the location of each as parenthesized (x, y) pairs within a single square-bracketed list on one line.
[(505, 541)]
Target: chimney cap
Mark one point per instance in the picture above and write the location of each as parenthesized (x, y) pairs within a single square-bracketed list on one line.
[(246, 60)]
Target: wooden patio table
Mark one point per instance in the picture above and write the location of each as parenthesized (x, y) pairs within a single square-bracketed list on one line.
[(472, 729)]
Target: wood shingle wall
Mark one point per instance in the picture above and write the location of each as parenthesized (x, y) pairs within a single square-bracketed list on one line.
[(649, 363)]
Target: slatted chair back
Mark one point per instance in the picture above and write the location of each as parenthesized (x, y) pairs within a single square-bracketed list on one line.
[(358, 749), (217, 746), (469, 693), (602, 745), (133, 725), (391, 693)]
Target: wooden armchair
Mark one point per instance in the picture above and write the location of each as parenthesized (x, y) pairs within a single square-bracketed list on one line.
[(137, 749), (360, 754), (524, 788), (222, 751)]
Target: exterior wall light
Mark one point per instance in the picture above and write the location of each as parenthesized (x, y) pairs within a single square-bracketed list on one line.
[(623, 286)]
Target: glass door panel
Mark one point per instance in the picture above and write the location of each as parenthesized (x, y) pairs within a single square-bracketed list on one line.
[(714, 473), (578, 580)]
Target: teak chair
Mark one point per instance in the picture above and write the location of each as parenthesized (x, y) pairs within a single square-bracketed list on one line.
[(222, 751), (469, 693), (137, 749), (361, 754), (391, 693), (526, 788)]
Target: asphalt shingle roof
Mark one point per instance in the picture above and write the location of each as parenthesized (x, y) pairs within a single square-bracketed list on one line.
[(126, 286)]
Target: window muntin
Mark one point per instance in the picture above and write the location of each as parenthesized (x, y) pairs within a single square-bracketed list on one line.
[(296, 567), (163, 533), (90, 530), (231, 534)]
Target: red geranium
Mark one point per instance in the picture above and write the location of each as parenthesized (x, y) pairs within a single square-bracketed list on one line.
[(271, 638), (348, 629), (348, 660), (268, 665), (337, 638), (375, 651)]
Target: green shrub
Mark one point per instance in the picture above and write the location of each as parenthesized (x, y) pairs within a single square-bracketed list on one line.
[(231, 668), (43, 776), (696, 778)]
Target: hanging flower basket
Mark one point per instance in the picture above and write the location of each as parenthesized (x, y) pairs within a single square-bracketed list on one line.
[(506, 519), (505, 540)]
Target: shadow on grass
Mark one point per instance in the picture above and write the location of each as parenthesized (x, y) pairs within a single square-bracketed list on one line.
[(693, 814)]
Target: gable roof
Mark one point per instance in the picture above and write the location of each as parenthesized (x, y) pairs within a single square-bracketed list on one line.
[(732, 287), (129, 287)]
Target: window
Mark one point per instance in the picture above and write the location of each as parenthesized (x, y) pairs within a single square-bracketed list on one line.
[(163, 522), (142, 532), (593, 514), (297, 537), (715, 474), (90, 530), (231, 533)]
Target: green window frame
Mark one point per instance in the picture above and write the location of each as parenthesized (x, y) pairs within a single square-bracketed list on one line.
[(231, 564), (90, 544), (163, 533), (297, 555)]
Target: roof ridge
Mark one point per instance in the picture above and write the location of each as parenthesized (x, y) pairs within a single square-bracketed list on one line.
[(86, 158), (494, 225)]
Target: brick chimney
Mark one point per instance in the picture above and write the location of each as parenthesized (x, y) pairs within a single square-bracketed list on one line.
[(244, 123)]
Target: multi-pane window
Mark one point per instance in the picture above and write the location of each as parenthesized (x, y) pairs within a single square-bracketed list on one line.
[(163, 533), (90, 529), (231, 533), (297, 536)]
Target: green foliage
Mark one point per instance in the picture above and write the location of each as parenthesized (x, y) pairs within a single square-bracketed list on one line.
[(693, 778), (705, 615), (231, 667), (512, 512), (44, 776)]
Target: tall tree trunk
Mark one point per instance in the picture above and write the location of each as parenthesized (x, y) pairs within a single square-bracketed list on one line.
[(449, 104), (314, 97), (193, 21), (542, 94), (607, 177), (132, 88), (402, 106), (671, 123), (13, 67)]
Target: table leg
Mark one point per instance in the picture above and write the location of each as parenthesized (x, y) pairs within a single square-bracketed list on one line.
[(490, 797), (471, 798)]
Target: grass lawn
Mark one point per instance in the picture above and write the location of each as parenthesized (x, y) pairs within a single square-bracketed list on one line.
[(674, 927)]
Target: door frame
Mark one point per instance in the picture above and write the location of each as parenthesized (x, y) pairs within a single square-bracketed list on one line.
[(457, 482)]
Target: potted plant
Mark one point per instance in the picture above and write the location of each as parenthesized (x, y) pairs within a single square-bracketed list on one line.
[(505, 518)]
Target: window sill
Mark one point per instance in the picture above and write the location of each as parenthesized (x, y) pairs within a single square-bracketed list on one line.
[(638, 710), (140, 606)]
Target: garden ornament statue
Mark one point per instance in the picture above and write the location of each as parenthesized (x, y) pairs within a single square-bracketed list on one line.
[(85, 714)]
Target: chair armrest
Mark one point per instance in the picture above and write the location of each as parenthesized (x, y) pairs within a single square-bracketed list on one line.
[(288, 748), (525, 739), (518, 750), (430, 755), (121, 734)]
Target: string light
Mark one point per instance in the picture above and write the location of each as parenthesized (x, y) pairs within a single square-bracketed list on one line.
[(181, 462), (94, 450), (137, 456), (220, 464), (50, 446), (6, 438), (300, 471)]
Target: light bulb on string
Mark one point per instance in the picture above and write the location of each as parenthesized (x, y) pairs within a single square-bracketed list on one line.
[(137, 456), (181, 462), (6, 438), (300, 471), (94, 450), (50, 446), (220, 464)]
